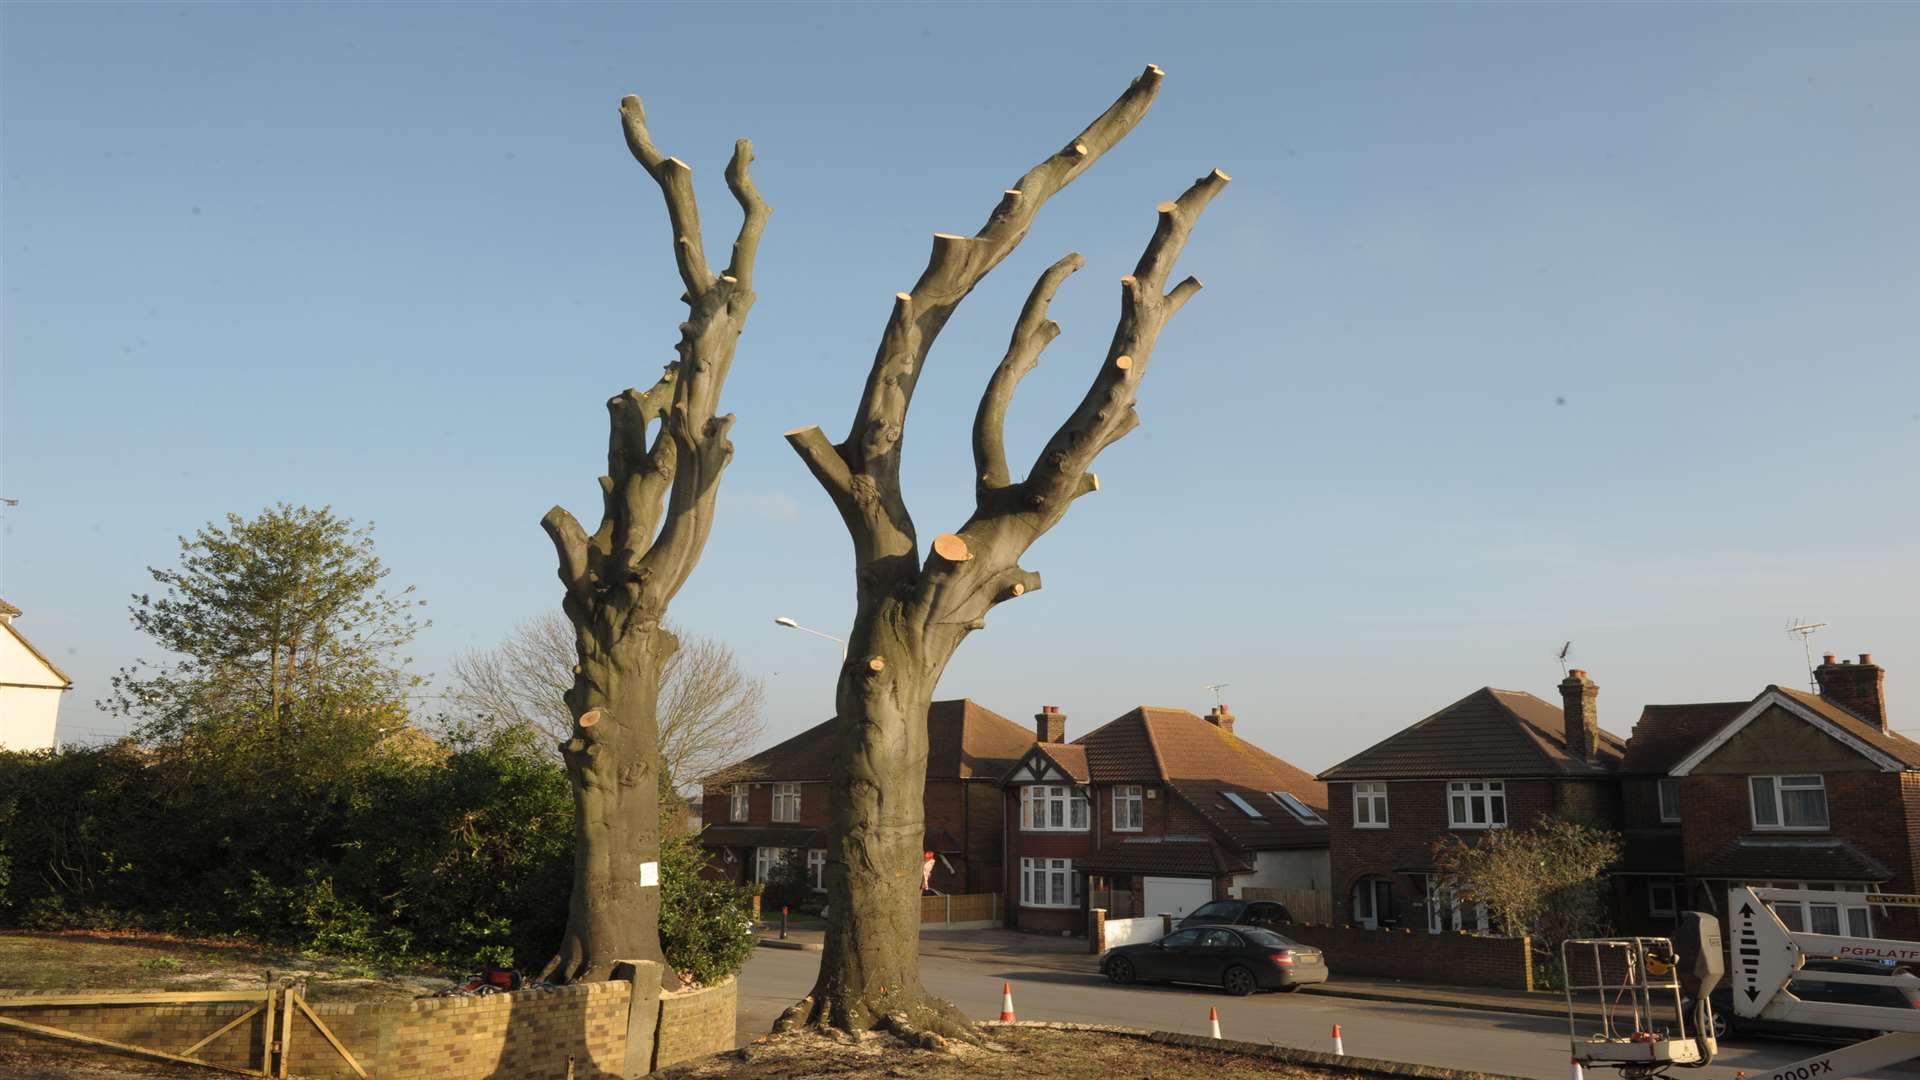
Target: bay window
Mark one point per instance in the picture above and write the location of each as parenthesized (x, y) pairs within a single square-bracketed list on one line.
[(1048, 883), (1053, 808), (1127, 808), (1477, 804), (1788, 802)]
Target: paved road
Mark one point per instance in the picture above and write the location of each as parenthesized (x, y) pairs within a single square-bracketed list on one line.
[(1488, 1042)]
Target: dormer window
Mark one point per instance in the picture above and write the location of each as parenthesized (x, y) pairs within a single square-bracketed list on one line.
[(1303, 813)]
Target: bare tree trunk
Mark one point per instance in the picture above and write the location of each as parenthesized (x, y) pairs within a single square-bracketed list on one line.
[(659, 496), (913, 615)]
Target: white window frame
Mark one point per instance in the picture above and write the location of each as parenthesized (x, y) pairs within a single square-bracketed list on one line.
[(1043, 804), (817, 869), (1672, 787), (1291, 803), (1655, 886), (737, 803), (1779, 787), (1372, 795), (1480, 795), (1051, 879), (786, 797), (1129, 808), (765, 861)]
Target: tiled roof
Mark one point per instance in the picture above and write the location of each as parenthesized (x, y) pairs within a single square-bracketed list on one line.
[(1762, 858), (1200, 764), (1193, 856), (1894, 745), (1667, 733), (1068, 758), (1487, 733), (8, 609), (964, 740)]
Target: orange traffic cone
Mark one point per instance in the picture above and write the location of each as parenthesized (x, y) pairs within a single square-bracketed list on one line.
[(1338, 1046), (1006, 1001), (1213, 1020)]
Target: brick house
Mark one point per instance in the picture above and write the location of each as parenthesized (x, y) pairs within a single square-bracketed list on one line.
[(1158, 810), (776, 800), (1491, 759), (1794, 789)]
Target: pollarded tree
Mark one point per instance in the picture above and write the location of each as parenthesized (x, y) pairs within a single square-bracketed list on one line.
[(659, 496), (912, 614)]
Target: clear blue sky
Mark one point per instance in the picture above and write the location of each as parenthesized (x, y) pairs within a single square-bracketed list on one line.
[(1523, 323)]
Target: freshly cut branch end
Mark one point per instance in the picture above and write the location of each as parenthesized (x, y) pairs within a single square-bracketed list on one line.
[(589, 718), (876, 665), (1123, 363), (951, 548)]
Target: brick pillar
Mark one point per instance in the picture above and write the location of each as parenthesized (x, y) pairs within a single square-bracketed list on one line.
[(1166, 924), (1097, 930)]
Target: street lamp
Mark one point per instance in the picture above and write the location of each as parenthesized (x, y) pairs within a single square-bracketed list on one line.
[(782, 620)]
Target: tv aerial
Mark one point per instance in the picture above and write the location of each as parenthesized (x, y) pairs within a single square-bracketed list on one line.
[(1804, 631), (1561, 656), (1216, 688)]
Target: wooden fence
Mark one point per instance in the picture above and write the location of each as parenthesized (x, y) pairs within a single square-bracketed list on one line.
[(1305, 905), (960, 908)]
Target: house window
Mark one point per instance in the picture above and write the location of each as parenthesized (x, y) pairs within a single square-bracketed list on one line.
[(1245, 806), (1373, 902), (817, 869), (1660, 897), (766, 862), (1370, 805), (1048, 883), (737, 808), (1789, 802), (1446, 911), (1477, 804), (1669, 800), (786, 802), (1304, 813), (1053, 808), (1127, 808)]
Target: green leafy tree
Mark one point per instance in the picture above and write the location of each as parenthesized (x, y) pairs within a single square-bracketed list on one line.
[(1543, 880), (706, 925), (274, 624)]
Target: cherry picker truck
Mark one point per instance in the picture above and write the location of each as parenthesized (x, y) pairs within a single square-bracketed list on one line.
[(1643, 1005)]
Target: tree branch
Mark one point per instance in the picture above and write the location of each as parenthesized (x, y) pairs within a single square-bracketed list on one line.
[(1031, 335), (754, 213), (676, 184), (955, 265)]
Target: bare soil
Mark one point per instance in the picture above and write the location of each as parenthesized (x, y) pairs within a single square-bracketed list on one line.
[(1014, 1053), (54, 1065), (147, 963)]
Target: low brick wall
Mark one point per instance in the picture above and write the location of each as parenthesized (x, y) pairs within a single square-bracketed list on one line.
[(695, 1023), (1466, 959), (530, 1033)]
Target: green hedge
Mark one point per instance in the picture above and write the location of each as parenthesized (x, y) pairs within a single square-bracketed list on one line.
[(453, 856)]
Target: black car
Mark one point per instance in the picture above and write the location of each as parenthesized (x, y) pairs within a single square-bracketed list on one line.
[(1725, 1022), (1238, 959), (1238, 913)]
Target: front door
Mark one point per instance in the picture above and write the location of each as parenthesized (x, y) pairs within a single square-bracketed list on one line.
[(1373, 902)]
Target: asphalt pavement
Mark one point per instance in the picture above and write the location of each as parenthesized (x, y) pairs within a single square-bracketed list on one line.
[(1517, 1045)]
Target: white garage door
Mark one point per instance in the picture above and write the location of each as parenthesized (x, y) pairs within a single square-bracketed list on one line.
[(1176, 896)]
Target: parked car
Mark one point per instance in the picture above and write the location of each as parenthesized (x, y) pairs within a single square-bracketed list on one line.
[(1890, 996), (1238, 959), (1264, 913)]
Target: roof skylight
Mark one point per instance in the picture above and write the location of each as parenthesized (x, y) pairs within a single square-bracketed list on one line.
[(1297, 808), (1245, 806)]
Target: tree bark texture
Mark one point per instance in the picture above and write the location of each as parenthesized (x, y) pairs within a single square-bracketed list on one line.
[(665, 454), (912, 614)]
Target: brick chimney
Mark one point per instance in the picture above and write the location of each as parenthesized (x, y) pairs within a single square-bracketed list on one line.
[(1219, 717), (1858, 688), (1050, 724), (1580, 708)]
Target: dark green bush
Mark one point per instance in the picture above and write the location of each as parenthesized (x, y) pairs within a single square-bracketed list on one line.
[(706, 926)]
